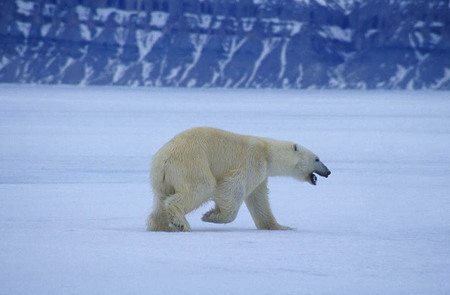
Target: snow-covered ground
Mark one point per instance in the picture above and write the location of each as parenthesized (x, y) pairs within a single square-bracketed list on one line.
[(74, 194)]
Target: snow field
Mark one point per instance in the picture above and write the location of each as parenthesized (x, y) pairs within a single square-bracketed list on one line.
[(74, 194)]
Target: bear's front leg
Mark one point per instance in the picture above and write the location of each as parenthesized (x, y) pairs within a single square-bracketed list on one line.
[(258, 205)]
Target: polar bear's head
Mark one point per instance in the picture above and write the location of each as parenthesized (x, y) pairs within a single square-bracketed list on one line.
[(307, 165)]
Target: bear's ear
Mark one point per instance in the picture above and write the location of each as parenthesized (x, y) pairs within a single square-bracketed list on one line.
[(295, 147)]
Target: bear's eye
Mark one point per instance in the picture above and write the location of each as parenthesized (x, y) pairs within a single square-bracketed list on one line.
[(317, 160)]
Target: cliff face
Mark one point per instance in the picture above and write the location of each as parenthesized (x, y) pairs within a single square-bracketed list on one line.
[(389, 44)]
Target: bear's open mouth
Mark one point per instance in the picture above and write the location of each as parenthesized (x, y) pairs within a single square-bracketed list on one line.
[(313, 179)]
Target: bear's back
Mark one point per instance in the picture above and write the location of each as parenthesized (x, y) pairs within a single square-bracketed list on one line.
[(222, 150)]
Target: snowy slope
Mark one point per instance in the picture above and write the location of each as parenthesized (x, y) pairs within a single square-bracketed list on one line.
[(395, 44), (74, 194)]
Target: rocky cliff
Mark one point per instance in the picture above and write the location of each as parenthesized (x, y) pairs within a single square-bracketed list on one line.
[(388, 44)]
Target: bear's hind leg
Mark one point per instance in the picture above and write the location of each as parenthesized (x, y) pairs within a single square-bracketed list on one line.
[(158, 220), (228, 197), (178, 221), (181, 203)]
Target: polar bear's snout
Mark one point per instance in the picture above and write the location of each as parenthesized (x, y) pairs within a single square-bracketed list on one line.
[(321, 169)]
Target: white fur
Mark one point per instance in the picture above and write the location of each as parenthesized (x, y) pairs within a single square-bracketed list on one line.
[(206, 163)]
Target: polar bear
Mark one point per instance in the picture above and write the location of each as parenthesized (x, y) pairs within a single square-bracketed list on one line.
[(204, 163)]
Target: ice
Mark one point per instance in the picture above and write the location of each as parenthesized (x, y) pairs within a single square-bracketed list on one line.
[(321, 2), (437, 24), (120, 16), (419, 38), (335, 32), (74, 193), (295, 27), (85, 32), (370, 33), (120, 35), (24, 7), (346, 5), (247, 24), (400, 75), (120, 71), (173, 73), (83, 12), (49, 9), (445, 78), (145, 41), (419, 24), (435, 38), (303, 1), (45, 28), (283, 59), (159, 19), (24, 28), (4, 61)]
